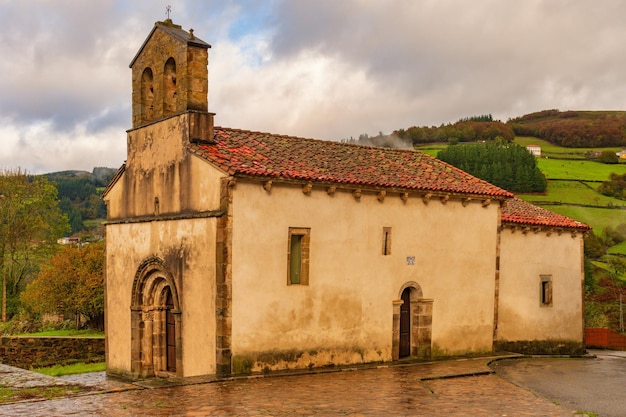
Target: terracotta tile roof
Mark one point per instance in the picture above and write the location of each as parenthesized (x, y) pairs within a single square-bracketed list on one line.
[(519, 211), (240, 152)]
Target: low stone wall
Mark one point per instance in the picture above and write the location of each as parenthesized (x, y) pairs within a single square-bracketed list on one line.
[(32, 352)]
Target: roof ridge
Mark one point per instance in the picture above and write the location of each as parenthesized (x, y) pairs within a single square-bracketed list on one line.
[(278, 135)]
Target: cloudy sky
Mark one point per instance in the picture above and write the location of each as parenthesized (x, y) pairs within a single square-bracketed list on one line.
[(327, 69)]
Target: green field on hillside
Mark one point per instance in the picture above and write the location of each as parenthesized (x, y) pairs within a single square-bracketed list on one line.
[(574, 192), (598, 218), (554, 151), (565, 197), (578, 170)]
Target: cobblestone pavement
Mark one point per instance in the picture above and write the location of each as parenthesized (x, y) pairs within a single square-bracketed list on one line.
[(450, 388)]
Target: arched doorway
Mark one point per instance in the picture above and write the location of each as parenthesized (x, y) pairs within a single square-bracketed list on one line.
[(170, 332), (405, 324), (155, 321), (412, 323)]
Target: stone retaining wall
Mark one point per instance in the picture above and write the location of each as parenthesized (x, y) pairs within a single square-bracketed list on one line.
[(32, 352)]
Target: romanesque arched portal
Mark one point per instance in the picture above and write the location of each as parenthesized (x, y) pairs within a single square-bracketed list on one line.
[(155, 321)]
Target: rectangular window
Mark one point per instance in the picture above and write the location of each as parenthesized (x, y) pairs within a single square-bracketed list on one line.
[(546, 290), (298, 256), (386, 240)]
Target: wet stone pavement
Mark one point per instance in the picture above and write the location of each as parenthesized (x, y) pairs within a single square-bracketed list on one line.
[(466, 387)]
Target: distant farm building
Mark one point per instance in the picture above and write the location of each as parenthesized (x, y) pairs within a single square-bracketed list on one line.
[(534, 149)]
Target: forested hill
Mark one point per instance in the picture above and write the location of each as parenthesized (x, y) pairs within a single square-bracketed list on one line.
[(574, 129), (79, 194)]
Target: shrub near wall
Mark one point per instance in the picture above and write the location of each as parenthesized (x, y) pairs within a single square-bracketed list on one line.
[(29, 352)]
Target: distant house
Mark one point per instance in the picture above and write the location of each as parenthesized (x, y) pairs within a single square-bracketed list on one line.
[(534, 149), (231, 251), (67, 240)]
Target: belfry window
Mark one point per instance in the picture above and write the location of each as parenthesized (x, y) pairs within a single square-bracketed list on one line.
[(169, 87), (147, 96)]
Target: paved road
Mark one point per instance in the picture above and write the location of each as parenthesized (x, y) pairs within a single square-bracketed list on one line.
[(450, 388), (597, 385)]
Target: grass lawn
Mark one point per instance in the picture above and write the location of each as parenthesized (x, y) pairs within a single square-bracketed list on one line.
[(578, 170), (598, 218), (555, 151), (432, 149), (69, 332), (93, 223), (573, 192), (75, 368), (9, 394), (619, 249)]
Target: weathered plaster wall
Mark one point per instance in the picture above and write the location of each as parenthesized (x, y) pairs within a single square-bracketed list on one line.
[(187, 247), (526, 256), (345, 314), (159, 171), (153, 210)]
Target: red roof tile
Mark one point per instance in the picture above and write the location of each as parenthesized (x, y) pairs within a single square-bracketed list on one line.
[(241, 152), (519, 211)]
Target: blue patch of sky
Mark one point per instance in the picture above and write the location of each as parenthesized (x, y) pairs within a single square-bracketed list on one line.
[(254, 20)]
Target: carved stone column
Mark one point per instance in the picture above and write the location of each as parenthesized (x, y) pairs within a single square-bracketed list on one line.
[(147, 364)]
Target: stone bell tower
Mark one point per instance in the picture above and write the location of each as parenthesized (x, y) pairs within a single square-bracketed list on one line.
[(169, 75)]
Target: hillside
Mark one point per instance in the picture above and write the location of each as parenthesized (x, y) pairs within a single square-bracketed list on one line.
[(79, 195), (574, 129)]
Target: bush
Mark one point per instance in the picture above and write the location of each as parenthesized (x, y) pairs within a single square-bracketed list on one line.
[(608, 157)]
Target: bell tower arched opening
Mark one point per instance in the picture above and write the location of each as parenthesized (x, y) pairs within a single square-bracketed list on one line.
[(169, 87), (147, 95)]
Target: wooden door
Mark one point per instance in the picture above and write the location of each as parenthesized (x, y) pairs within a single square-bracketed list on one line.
[(405, 324), (170, 333)]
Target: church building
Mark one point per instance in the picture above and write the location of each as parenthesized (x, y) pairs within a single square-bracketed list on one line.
[(231, 251)]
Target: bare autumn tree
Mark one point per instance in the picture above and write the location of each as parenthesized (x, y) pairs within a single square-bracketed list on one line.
[(30, 223), (72, 282)]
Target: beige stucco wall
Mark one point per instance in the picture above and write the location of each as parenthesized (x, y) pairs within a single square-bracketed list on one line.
[(524, 257), (346, 310), (159, 166), (188, 249)]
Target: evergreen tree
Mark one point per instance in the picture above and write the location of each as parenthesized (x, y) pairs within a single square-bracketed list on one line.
[(506, 165)]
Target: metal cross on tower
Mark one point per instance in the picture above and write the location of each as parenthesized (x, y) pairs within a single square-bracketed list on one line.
[(168, 10)]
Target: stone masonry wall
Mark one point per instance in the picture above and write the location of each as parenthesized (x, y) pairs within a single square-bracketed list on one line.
[(29, 352)]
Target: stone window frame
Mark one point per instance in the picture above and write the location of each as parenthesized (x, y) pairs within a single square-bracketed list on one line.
[(545, 290), (386, 249), (303, 235)]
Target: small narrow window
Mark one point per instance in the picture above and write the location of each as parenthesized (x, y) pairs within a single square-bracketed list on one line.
[(546, 290), (386, 240), (298, 256)]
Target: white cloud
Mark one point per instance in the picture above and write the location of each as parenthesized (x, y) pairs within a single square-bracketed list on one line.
[(321, 68)]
